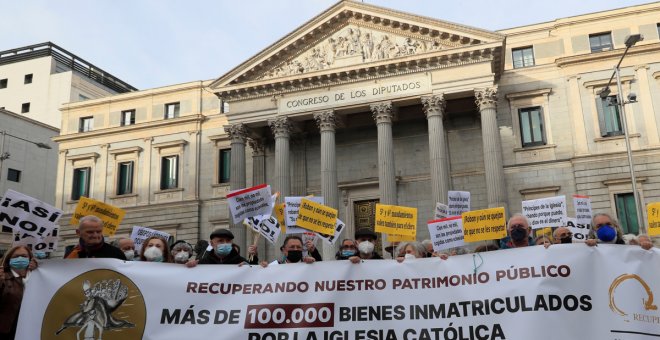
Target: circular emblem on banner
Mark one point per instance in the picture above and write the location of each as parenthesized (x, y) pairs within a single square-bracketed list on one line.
[(646, 302), (98, 304)]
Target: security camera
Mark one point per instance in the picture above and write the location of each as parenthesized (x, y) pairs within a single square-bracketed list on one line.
[(632, 97)]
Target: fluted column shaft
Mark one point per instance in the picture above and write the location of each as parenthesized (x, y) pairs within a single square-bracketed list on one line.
[(327, 123), (383, 113), (238, 135), (281, 128), (486, 100), (434, 108), (259, 177)]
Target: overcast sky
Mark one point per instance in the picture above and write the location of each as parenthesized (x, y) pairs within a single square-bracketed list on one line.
[(152, 43)]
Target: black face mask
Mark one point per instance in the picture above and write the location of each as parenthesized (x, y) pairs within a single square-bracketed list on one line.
[(294, 256), (518, 234), (567, 239)]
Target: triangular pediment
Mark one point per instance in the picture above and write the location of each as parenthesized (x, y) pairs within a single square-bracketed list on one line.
[(354, 34)]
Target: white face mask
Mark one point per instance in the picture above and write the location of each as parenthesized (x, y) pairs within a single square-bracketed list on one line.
[(409, 257), (366, 247), (153, 254), (181, 257), (130, 254)]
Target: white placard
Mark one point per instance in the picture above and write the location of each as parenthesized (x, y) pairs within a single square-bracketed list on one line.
[(545, 212), (140, 234), (332, 239), (458, 202), (583, 211), (441, 211), (580, 230), (291, 208), (47, 244), (250, 202), (266, 225), (446, 233), (28, 215)]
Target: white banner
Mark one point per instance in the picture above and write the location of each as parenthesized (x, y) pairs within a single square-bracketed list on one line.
[(582, 205), (458, 202), (250, 202), (28, 215), (291, 208), (331, 239), (140, 234), (545, 212), (603, 292), (446, 233), (580, 231), (441, 211)]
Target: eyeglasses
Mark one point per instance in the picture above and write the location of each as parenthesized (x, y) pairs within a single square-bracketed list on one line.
[(348, 247), (518, 226), (563, 235)]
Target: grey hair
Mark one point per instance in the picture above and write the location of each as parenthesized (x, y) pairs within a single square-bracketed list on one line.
[(427, 242), (115, 243), (615, 224), (182, 246), (517, 215), (418, 247), (89, 218)]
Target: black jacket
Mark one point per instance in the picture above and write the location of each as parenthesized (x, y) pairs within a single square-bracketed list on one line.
[(105, 251), (234, 257)]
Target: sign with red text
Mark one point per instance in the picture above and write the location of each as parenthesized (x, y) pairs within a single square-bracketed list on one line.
[(446, 233), (250, 202)]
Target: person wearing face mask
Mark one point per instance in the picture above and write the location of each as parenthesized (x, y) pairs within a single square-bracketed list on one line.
[(154, 249), (292, 251), (181, 251), (605, 229), (519, 233), (91, 243), (127, 246), (222, 251), (562, 235), (16, 267), (410, 251), (347, 250), (365, 239)]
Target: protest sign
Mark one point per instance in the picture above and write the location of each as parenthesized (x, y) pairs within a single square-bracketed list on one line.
[(278, 211), (653, 213), (446, 233), (400, 238), (292, 205), (308, 237), (27, 215), (316, 217), (582, 205), (266, 225), (47, 244), (331, 239), (441, 211), (250, 202), (396, 220), (545, 212), (140, 234), (483, 225), (110, 215), (580, 231), (596, 293), (458, 202)]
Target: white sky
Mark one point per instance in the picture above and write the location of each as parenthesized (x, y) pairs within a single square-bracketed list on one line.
[(152, 43)]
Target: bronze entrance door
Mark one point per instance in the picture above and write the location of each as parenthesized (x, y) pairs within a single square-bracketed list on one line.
[(365, 217)]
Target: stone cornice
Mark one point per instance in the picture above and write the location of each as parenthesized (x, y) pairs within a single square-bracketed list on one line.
[(132, 149), (525, 94), (600, 56)]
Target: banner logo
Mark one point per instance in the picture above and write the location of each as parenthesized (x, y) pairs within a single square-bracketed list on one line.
[(647, 303)]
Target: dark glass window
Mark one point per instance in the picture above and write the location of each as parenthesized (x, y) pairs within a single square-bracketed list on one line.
[(600, 42), (523, 57), (169, 172), (532, 129), (25, 108), (14, 175), (27, 79), (627, 213), (609, 116), (86, 124), (80, 183), (224, 167), (125, 178), (172, 110), (127, 117)]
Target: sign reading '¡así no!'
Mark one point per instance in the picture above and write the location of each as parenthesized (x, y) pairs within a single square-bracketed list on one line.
[(354, 95)]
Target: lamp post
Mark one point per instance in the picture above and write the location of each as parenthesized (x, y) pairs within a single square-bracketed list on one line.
[(630, 41), (5, 155)]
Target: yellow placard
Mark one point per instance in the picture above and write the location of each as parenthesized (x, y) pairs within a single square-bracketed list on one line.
[(401, 238), (316, 217), (109, 214), (279, 214), (547, 231), (396, 220), (653, 212), (483, 225)]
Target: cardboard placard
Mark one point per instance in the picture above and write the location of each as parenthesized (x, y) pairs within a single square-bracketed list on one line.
[(545, 212), (292, 205), (458, 202), (27, 215), (653, 213), (583, 212), (250, 202), (316, 217), (484, 225), (140, 234), (396, 220), (446, 233), (109, 214)]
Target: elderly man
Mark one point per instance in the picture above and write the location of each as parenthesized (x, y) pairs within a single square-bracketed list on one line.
[(91, 243), (347, 249), (519, 233), (606, 229), (223, 251), (365, 239), (127, 246), (562, 235)]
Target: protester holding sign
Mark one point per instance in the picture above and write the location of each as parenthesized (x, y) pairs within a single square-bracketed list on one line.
[(519, 233), (15, 271), (292, 250), (365, 239), (91, 243), (154, 249), (563, 235), (222, 250), (127, 246), (606, 229)]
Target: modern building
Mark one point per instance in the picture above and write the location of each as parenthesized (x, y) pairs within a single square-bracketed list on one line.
[(36, 80), (364, 104)]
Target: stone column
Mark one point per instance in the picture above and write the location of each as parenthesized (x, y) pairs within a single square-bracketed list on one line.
[(259, 177), (238, 135), (434, 108), (383, 114), (486, 100), (281, 127), (327, 122)]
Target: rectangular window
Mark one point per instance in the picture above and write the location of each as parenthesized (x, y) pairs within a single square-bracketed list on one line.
[(86, 124), (523, 57), (224, 166), (125, 178), (172, 110), (80, 183), (3, 83), (600, 42), (14, 175), (127, 117), (627, 213), (531, 126), (27, 79), (609, 117), (169, 172), (25, 108)]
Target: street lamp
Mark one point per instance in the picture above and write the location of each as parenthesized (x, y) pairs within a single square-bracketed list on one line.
[(5, 155), (630, 41)]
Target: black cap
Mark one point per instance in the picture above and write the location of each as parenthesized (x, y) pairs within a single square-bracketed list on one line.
[(365, 232), (224, 233)]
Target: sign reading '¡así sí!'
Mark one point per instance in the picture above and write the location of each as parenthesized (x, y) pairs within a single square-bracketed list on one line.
[(365, 93)]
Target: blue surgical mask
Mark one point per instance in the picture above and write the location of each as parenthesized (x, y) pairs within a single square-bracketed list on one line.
[(606, 234), (347, 253), (40, 255), (20, 262), (223, 249)]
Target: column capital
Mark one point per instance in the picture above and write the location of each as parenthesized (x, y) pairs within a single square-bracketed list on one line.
[(281, 127), (326, 120), (258, 147), (486, 98), (434, 105), (383, 112), (238, 133)]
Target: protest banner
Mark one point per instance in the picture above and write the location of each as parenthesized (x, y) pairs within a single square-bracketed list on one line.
[(47, 244), (580, 231), (140, 234), (545, 212), (604, 292), (250, 202), (396, 220), (400, 238), (441, 211), (291, 207), (26, 215), (109, 214), (316, 217), (483, 225), (331, 239), (446, 233), (653, 213), (458, 202), (582, 205), (266, 225)]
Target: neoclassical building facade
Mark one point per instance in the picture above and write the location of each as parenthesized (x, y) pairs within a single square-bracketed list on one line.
[(366, 105)]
